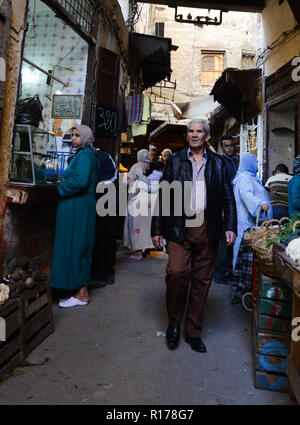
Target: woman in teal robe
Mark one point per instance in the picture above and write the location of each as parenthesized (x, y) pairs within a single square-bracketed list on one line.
[(75, 221)]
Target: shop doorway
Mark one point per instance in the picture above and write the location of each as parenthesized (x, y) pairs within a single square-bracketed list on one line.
[(282, 131), (54, 67)]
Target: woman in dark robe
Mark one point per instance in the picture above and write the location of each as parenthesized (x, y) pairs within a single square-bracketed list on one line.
[(75, 221)]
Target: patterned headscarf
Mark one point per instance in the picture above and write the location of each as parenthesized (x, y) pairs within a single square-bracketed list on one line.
[(296, 165)]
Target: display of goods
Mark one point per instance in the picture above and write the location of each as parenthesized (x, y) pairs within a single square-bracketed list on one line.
[(4, 293), (275, 308), (271, 381), (23, 274), (293, 249), (257, 240)]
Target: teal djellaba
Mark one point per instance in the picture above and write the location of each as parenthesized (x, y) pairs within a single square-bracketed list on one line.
[(76, 221)]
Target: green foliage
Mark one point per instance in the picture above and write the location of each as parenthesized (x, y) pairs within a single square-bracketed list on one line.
[(286, 231)]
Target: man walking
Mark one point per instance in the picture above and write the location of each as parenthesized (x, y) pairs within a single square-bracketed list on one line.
[(223, 272), (192, 250)]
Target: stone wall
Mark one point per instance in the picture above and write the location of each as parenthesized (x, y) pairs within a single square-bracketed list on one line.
[(237, 33), (277, 20)]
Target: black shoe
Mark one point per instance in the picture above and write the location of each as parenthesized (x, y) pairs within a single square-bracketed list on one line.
[(109, 279), (172, 337), (196, 344), (95, 284)]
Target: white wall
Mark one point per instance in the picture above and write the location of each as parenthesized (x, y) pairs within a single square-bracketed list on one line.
[(124, 4), (277, 19)]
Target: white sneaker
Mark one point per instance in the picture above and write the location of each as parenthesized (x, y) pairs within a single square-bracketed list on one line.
[(71, 302)]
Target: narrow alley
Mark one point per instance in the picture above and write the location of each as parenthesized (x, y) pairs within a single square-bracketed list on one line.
[(113, 351)]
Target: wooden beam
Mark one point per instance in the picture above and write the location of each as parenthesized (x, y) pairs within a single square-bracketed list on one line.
[(231, 5), (159, 129), (295, 6)]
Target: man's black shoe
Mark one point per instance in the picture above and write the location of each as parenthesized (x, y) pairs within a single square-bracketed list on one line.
[(172, 337), (109, 279), (95, 284), (196, 344)]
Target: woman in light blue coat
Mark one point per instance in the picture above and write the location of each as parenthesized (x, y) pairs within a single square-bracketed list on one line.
[(249, 195)]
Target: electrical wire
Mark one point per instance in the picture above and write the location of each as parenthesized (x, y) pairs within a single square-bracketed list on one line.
[(276, 43)]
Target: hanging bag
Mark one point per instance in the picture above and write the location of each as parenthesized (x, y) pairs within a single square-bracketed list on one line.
[(29, 111)]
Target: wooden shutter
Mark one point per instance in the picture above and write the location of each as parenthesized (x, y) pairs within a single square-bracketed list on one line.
[(108, 93), (212, 66)]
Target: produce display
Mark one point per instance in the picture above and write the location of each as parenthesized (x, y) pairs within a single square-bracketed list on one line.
[(23, 274), (4, 293), (287, 232), (293, 249)]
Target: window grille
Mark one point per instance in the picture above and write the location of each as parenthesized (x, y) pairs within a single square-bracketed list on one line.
[(82, 11)]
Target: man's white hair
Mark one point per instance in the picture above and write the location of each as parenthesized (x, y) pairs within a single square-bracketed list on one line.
[(200, 121)]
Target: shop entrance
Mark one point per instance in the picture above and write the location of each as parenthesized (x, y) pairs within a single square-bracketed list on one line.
[(282, 130), (54, 68)]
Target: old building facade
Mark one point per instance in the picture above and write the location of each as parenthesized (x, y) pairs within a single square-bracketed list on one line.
[(75, 57)]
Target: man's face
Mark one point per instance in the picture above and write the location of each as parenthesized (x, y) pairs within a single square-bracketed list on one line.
[(196, 136), (154, 156), (228, 147)]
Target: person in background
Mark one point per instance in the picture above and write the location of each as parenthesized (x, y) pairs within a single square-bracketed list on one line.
[(165, 155), (294, 189), (277, 185), (76, 221), (135, 235), (104, 254), (140, 168), (250, 196), (228, 154), (156, 171), (223, 270), (154, 154)]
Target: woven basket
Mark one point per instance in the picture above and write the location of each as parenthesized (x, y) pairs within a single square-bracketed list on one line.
[(257, 239)]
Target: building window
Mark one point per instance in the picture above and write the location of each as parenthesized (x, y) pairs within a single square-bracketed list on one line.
[(159, 29), (82, 11), (212, 66), (248, 60)]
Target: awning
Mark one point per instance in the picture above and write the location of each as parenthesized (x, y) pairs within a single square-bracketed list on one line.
[(149, 59), (234, 5), (239, 92), (199, 108), (295, 6)]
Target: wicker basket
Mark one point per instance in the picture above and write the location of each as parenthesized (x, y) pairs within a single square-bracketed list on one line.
[(257, 239)]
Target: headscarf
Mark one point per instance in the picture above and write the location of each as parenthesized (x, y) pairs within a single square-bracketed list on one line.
[(143, 156), (86, 139), (86, 136), (249, 164), (296, 165)]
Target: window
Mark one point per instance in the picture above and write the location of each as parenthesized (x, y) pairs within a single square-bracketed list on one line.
[(212, 66), (159, 29), (248, 60)]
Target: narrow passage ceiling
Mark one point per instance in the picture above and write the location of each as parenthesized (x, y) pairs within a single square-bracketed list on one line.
[(233, 5)]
